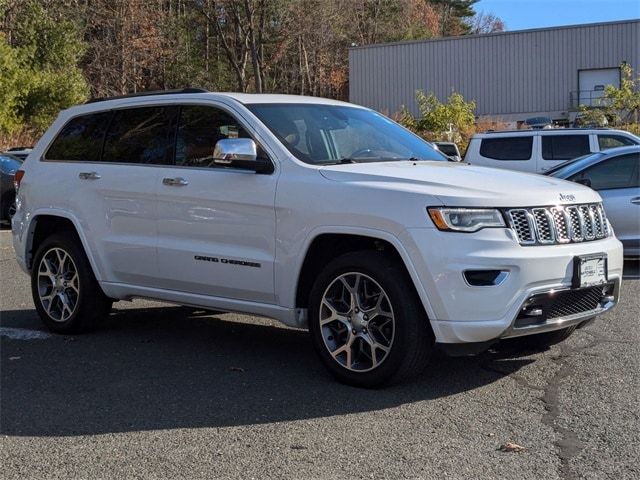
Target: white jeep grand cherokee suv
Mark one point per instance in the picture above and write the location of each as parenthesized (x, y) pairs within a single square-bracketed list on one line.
[(314, 212)]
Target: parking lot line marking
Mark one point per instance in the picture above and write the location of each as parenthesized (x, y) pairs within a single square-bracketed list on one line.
[(23, 334)]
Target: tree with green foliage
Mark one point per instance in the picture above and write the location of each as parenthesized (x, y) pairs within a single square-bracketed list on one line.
[(438, 117), (625, 101), (11, 86), (41, 59), (455, 16)]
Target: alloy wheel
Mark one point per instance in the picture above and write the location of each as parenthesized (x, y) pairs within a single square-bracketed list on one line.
[(357, 322), (58, 284)]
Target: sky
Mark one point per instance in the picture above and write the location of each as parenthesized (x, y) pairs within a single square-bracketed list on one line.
[(525, 14)]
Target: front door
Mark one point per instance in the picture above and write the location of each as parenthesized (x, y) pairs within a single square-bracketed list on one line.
[(617, 180), (216, 226)]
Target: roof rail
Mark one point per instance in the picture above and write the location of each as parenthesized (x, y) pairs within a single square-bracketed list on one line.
[(148, 93), (562, 129)]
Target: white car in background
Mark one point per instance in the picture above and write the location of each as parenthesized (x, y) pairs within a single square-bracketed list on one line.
[(317, 213), (537, 151)]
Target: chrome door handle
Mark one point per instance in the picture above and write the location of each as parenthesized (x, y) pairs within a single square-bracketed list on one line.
[(89, 175), (176, 182), (635, 201)]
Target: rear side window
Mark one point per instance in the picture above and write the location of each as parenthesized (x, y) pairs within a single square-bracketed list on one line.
[(141, 135), (80, 139), (617, 172), (507, 148), (613, 141), (199, 130), (564, 147)]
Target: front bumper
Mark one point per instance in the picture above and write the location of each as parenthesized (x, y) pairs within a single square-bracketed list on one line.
[(461, 313)]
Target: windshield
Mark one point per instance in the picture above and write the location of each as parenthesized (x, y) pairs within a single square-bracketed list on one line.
[(567, 169), (329, 134)]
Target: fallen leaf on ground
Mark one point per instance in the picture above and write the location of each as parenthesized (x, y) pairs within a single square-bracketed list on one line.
[(511, 447)]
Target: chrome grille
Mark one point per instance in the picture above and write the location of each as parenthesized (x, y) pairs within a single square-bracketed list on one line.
[(553, 225), (577, 224), (521, 222)]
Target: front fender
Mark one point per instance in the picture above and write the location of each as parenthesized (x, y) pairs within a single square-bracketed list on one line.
[(288, 275)]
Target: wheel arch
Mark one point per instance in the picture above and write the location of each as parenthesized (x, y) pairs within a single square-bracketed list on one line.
[(326, 243), (46, 222)]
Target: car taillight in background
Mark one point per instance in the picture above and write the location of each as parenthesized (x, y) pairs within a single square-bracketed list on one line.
[(17, 179)]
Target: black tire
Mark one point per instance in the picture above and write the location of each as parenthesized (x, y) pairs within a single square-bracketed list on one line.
[(91, 304), (538, 342), (412, 340)]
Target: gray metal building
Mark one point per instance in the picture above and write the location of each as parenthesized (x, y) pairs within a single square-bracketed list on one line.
[(511, 75)]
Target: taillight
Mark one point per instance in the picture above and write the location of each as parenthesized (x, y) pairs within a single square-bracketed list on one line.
[(18, 178)]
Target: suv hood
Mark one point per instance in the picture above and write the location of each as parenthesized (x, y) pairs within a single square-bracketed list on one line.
[(461, 184)]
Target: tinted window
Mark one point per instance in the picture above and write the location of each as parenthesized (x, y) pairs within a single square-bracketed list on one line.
[(199, 130), (507, 148), (141, 135), (447, 149), (564, 147), (613, 141), (617, 172), (326, 134), (80, 139)]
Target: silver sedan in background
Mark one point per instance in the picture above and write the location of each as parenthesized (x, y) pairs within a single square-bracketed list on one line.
[(615, 175)]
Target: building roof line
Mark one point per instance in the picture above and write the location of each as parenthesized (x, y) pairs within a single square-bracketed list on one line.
[(485, 35)]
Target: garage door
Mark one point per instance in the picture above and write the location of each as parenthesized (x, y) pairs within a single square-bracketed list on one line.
[(592, 83)]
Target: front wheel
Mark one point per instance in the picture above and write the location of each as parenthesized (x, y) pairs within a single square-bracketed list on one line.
[(65, 292), (366, 321)]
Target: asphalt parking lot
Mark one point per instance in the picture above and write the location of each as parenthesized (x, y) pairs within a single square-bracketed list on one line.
[(161, 391)]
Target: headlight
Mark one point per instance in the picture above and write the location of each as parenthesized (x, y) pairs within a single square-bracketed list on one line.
[(466, 219)]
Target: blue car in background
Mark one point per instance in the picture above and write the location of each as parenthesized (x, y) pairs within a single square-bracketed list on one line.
[(8, 166)]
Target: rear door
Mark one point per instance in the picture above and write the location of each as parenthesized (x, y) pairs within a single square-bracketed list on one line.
[(216, 225), (617, 181), (109, 180), (557, 148)]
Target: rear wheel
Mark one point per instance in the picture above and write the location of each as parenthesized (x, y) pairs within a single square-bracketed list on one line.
[(367, 322), (65, 292)]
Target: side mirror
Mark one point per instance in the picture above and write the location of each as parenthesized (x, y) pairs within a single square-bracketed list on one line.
[(240, 153), (584, 181)]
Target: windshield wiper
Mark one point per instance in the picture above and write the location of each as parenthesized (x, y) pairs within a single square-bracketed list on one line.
[(342, 161)]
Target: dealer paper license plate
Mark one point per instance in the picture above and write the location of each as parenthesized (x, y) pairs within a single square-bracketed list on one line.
[(590, 270)]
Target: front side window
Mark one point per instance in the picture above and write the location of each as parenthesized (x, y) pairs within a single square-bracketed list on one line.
[(141, 135), (80, 140), (328, 134), (613, 141), (564, 147), (617, 172), (199, 129), (507, 148)]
